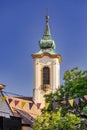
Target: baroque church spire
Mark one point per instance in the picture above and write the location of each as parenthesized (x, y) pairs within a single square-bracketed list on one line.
[(46, 43), (46, 67)]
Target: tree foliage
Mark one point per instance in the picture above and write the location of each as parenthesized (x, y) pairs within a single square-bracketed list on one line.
[(75, 83), (54, 120)]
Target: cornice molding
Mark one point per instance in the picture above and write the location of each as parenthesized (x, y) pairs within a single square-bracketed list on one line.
[(47, 54)]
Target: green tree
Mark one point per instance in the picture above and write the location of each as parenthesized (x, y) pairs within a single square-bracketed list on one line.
[(75, 86), (75, 83), (54, 121)]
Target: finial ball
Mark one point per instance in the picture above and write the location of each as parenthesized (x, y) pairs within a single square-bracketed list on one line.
[(47, 18)]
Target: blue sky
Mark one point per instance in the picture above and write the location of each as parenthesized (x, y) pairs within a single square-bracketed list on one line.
[(22, 23)]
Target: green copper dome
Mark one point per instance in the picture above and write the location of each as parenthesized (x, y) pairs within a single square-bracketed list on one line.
[(46, 43)]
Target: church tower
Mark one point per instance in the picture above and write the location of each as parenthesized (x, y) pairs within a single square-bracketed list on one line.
[(46, 67)]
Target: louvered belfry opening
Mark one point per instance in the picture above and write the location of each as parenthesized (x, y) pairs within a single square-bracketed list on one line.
[(46, 78)]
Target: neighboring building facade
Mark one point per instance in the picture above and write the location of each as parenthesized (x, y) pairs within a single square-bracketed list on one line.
[(46, 67), (12, 123), (7, 119), (16, 113)]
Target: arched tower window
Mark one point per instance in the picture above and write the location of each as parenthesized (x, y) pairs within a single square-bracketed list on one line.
[(46, 75)]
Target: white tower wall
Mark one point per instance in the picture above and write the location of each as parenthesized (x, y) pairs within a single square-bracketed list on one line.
[(39, 64)]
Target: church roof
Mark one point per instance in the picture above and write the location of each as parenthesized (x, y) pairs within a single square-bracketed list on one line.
[(46, 43)]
